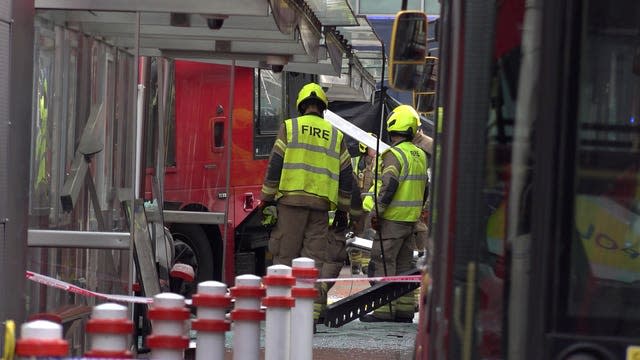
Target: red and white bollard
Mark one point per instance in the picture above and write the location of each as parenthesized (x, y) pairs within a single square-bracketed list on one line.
[(110, 331), (279, 302), (41, 338), (168, 316), (305, 293), (212, 302), (246, 317)]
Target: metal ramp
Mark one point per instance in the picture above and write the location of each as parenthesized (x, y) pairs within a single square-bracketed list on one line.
[(365, 301)]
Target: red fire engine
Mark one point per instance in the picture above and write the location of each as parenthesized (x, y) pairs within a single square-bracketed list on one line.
[(195, 178)]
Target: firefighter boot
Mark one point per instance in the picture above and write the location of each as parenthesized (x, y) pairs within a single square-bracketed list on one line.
[(355, 258), (320, 304)]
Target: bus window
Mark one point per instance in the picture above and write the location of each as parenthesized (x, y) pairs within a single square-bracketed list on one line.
[(604, 271), (268, 110), (424, 96)]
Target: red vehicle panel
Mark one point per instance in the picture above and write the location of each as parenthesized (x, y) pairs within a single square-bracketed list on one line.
[(197, 179)]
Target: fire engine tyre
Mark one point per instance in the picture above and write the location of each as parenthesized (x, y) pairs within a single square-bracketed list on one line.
[(191, 242)]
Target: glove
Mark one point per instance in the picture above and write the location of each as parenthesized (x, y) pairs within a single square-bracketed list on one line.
[(340, 221), (269, 214), (424, 216), (375, 224)]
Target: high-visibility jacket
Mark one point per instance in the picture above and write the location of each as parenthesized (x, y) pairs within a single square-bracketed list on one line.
[(407, 201), (355, 161), (312, 160), (367, 202)]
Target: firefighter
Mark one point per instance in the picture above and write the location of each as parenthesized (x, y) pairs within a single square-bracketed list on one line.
[(309, 173), (424, 142), (400, 200), (423, 244), (421, 231), (363, 168), (336, 251)]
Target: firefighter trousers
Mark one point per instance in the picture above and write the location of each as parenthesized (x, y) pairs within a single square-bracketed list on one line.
[(398, 244), (336, 255), (301, 232)]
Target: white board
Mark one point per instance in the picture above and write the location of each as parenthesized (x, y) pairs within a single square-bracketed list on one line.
[(355, 132)]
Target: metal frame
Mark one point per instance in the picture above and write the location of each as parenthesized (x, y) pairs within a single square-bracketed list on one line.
[(89, 144), (16, 71), (144, 27), (247, 36), (222, 7), (79, 239), (193, 217)]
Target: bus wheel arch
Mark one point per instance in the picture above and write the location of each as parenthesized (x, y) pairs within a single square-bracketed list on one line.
[(206, 240), (191, 247)]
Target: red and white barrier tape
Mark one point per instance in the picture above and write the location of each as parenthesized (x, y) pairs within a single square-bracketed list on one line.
[(398, 278), (59, 284)]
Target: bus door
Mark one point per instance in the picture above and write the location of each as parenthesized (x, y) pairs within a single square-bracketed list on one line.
[(593, 279), (202, 111), (480, 53)]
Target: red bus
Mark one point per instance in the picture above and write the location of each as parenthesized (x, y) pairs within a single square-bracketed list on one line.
[(535, 211)]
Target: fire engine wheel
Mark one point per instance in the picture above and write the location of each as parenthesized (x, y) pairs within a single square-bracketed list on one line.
[(192, 247)]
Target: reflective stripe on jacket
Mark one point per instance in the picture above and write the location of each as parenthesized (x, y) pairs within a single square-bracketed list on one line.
[(312, 160), (407, 202)]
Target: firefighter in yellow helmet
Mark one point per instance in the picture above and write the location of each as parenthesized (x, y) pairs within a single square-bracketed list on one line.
[(400, 200), (309, 173), (424, 142), (421, 231), (363, 168)]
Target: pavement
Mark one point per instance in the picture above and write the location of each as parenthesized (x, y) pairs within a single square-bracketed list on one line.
[(359, 340)]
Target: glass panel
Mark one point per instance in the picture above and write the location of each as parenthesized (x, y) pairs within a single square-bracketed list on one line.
[(333, 12), (41, 130), (432, 7), (270, 102), (151, 120), (353, 4), (604, 275), (269, 110), (82, 134), (218, 134), (387, 7)]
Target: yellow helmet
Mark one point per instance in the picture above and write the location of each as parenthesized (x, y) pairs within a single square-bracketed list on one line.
[(410, 109), (403, 121), (309, 92), (363, 147)]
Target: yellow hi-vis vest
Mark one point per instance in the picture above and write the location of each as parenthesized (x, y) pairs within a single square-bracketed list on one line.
[(312, 158), (407, 201), (367, 202)]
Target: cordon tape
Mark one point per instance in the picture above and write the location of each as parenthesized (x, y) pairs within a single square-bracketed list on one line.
[(59, 284)]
